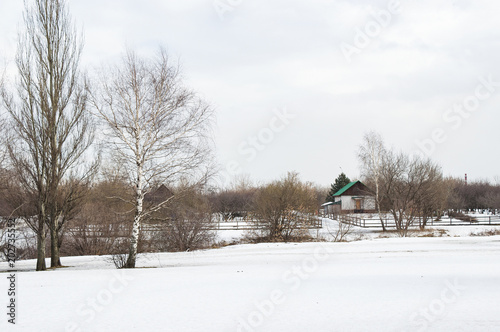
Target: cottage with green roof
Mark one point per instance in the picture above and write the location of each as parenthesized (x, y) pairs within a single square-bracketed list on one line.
[(355, 197)]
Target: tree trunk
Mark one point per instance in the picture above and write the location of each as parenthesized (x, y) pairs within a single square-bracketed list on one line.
[(55, 260), (377, 201), (134, 240), (134, 237), (40, 262), (424, 221)]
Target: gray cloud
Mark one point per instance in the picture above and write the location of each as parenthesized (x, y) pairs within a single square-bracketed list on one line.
[(270, 54)]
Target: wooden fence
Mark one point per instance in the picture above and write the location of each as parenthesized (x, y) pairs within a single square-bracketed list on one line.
[(444, 221), (252, 224)]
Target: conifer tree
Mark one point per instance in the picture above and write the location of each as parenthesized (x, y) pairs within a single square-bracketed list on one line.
[(340, 182)]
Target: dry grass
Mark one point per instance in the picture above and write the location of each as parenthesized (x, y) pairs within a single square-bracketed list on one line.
[(489, 232)]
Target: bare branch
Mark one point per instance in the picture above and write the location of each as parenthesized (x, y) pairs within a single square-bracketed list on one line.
[(49, 113), (155, 126)]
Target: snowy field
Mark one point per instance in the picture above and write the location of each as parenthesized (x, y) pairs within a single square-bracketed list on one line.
[(388, 284)]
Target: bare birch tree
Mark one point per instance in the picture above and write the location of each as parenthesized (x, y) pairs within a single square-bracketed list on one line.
[(49, 115), (156, 128), (371, 155)]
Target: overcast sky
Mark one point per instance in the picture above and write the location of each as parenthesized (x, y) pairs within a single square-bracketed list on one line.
[(296, 84)]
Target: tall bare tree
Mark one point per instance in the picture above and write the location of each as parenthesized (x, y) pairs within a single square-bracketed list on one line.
[(49, 113), (156, 128), (411, 187), (434, 195), (407, 187), (371, 154)]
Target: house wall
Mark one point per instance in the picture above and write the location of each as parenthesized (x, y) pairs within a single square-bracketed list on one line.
[(348, 203), (368, 203)]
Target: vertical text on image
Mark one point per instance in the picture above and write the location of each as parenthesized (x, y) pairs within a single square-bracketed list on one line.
[(12, 277)]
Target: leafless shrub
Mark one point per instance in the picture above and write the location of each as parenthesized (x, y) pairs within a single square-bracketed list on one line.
[(284, 209), (461, 216), (232, 203), (432, 233), (185, 224), (490, 232), (120, 260), (340, 233), (100, 227), (257, 236), (87, 237)]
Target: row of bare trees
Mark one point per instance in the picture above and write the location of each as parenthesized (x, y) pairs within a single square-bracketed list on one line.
[(101, 223), (281, 210), (409, 187), (136, 114), (105, 220), (412, 188), (474, 195), (136, 121)]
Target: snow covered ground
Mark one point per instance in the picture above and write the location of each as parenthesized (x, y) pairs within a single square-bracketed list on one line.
[(387, 284)]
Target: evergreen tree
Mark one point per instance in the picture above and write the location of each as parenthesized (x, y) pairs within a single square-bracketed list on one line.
[(340, 182)]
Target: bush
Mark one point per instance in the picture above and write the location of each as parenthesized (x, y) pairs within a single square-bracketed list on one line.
[(285, 209), (95, 231), (120, 260), (461, 216), (490, 232), (185, 224)]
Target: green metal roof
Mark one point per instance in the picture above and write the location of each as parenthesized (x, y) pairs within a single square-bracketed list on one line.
[(349, 185)]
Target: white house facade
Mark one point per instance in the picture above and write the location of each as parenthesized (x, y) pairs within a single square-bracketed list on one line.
[(353, 198)]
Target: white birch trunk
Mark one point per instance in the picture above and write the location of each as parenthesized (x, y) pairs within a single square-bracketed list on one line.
[(134, 237)]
